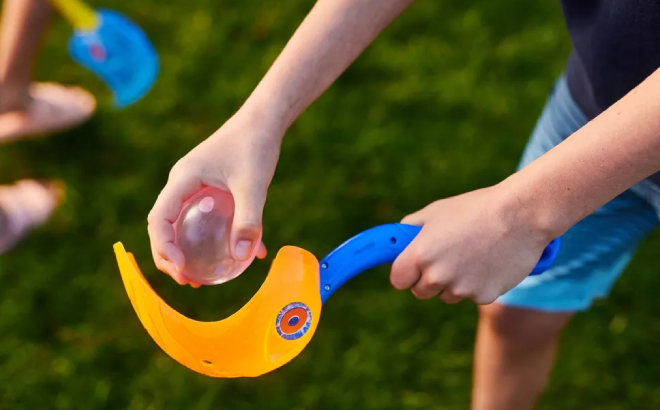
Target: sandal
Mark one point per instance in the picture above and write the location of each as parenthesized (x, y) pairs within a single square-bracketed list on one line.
[(53, 108), (24, 206)]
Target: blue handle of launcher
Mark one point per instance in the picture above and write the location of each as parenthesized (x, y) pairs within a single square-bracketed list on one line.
[(381, 245)]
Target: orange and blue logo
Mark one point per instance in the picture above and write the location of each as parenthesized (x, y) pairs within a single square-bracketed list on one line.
[(293, 321)]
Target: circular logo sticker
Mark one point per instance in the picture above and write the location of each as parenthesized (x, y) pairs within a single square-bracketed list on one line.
[(293, 321)]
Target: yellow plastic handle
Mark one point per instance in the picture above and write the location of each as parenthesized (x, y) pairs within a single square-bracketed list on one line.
[(79, 14)]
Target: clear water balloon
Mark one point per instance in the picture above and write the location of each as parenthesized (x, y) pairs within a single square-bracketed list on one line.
[(202, 232)]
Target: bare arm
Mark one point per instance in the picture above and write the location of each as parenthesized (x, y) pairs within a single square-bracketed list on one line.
[(241, 156), (330, 38), (610, 154), (480, 244)]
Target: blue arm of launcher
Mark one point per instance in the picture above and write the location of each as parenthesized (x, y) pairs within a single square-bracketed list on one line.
[(381, 245)]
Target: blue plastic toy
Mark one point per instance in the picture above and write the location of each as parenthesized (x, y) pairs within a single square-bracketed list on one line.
[(114, 48), (281, 318), (382, 245)]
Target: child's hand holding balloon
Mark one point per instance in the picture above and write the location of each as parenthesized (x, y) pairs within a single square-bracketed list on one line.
[(240, 159)]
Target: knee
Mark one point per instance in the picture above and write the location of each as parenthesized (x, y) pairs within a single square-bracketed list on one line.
[(522, 328)]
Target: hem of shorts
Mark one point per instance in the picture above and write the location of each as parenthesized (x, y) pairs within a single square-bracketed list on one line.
[(551, 307), (650, 192)]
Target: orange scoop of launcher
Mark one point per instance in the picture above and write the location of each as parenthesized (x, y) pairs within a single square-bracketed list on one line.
[(279, 321), (248, 343)]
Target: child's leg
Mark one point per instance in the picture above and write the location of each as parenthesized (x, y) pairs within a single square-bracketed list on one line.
[(514, 353), (23, 25), (26, 108), (517, 336)]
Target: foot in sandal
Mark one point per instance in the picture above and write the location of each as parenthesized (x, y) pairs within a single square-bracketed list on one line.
[(24, 206), (48, 108)]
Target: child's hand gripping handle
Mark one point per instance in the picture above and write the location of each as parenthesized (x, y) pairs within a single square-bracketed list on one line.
[(381, 245)]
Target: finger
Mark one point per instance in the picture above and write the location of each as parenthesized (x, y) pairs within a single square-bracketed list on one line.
[(416, 218), (194, 284), (405, 270), (170, 200), (427, 286), (169, 267), (246, 227), (448, 297), (167, 256), (262, 252)]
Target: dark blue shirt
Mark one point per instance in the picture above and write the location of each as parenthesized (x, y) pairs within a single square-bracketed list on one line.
[(616, 45)]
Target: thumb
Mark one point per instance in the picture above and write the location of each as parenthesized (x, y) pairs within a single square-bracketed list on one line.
[(246, 227), (417, 218)]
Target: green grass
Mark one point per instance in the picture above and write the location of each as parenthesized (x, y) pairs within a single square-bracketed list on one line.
[(441, 104)]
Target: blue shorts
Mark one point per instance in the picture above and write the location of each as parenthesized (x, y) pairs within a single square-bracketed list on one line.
[(596, 250)]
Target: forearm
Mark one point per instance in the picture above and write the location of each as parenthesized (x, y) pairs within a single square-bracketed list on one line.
[(330, 38), (610, 154)]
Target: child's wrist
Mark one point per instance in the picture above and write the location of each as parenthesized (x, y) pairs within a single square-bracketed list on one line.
[(271, 125), (535, 212), (267, 109)]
